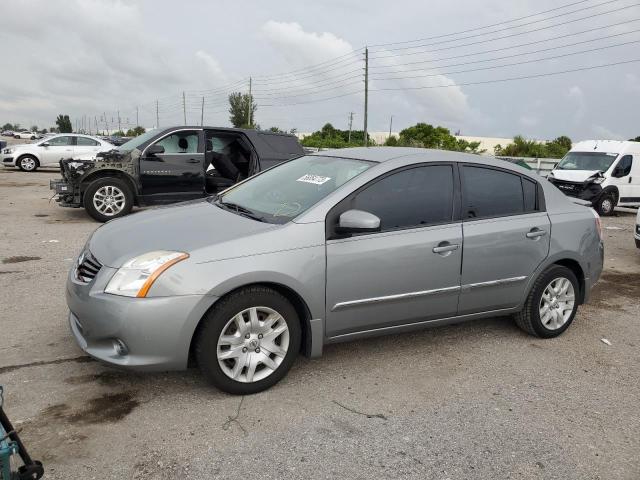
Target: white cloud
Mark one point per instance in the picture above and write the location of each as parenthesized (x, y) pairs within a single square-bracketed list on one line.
[(529, 121), (603, 133), (579, 107)]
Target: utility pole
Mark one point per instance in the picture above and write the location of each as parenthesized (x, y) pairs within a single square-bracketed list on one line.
[(137, 122), (95, 121), (119, 127), (390, 124), (202, 113), (157, 115), (249, 106), (184, 108), (105, 123), (366, 94), (350, 125)]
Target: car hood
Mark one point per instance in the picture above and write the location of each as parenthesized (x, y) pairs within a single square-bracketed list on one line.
[(185, 227), (20, 146), (573, 175)]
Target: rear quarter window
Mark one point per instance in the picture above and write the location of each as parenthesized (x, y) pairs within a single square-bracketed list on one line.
[(489, 192)]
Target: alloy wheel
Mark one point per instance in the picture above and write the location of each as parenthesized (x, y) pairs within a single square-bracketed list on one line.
[(28, 164), (556, 304), (606, 205), (253, 344), (109, 200)]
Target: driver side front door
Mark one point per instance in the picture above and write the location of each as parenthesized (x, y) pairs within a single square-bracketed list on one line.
[(178, 172)]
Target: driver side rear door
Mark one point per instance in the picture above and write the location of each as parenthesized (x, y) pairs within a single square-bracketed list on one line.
[(178, 172)]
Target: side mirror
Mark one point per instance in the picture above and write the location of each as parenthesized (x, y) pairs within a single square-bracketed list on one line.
[(155, 150), (358, 221), (45, 144)]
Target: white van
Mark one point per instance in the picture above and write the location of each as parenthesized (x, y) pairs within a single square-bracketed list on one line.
[(603, 172)]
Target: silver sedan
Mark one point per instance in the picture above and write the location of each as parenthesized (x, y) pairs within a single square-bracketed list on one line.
[(327, 248)]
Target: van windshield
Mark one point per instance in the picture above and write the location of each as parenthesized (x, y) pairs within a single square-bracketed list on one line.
[(284, 192), (587, 161)]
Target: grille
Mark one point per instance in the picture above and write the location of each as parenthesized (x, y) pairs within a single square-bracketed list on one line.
[(568, 188), (88, 267)]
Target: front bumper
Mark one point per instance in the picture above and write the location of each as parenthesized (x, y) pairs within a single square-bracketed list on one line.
[(7, 160), (588, 191), (156, 331)]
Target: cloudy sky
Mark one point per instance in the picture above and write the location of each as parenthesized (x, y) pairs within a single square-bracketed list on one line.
[(94, 58)]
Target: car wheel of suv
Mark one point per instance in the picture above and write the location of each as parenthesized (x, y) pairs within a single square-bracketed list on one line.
[(248, 341), (108, 198), (551, 304), (27, 163), (605, 205)]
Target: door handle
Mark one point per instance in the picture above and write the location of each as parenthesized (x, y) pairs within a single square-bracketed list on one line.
[(445, 247), (536, 233), (193, 160)]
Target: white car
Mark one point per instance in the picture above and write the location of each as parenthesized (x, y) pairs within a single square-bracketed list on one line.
[(48, 151), (26, 134)]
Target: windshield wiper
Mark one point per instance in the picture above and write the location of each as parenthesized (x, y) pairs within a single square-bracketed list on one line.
[(240, 210)]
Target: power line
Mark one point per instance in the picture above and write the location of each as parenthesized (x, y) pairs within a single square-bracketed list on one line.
[(504, 36), (509, 79), (506, 48), (507, 28), (480, 28), (505, 56), (553, 57)]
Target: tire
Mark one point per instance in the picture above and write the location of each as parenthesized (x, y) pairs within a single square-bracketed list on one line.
[(637, 243), (27, 163), (605, 205), (220, 320), (108, 198), (529, 318)]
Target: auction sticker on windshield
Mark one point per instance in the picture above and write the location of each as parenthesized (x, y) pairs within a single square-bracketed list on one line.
[(315, 179)]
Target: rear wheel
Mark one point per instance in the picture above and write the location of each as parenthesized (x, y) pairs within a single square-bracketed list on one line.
[(108, 198), (605, 205), (248, 341), (552, 303), (27, 163)]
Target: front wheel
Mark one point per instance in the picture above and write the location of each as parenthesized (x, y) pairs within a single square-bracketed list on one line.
[(27, 163), (108, 198), (248, 341), (552, 303), (605, 205)]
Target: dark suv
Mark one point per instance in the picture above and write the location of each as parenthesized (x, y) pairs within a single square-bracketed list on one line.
[(169, 165)]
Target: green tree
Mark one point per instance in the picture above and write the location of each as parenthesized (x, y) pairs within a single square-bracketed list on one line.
[(34, 128), (330, 137), (423, 135), (276, 130), (134, 132), (239, 110), (64, 124), (392, 141), (119, 133), (637, 139), (522, 147)]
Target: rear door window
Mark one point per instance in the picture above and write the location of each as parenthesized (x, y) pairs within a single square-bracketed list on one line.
[(60, 141), (489, 192), (86, 142)]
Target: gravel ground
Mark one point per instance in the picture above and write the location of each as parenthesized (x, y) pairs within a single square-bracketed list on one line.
[(477, 400)]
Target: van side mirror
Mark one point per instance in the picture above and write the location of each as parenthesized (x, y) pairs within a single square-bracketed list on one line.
[(155, 150), (358, 221)]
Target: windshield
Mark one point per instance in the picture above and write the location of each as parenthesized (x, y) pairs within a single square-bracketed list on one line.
[(137, 141), (284, 192), (587, 161)]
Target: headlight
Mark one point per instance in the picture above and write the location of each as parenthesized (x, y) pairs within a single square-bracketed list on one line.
[(598, 179), (8, 150), (134, 278)]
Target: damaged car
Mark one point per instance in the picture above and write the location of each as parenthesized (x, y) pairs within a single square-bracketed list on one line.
[(168, 165)]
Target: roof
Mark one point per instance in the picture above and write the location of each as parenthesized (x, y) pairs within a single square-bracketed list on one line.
[(383, 154), (607, 146)]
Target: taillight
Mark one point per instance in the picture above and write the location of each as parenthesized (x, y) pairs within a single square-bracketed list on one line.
[(598, 223)]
